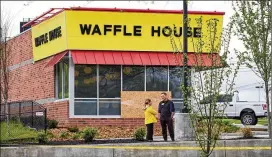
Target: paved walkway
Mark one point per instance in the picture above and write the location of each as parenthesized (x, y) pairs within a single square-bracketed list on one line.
[(252, 126), (225, 136), (229, 136)]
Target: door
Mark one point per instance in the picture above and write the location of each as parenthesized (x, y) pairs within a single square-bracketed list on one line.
[(230, 110)]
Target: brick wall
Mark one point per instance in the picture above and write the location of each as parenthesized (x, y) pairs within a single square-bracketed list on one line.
[(60, 112), (30, 81), (20, 48)]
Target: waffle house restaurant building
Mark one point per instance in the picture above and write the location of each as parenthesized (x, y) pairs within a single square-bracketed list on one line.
[(93, 66)]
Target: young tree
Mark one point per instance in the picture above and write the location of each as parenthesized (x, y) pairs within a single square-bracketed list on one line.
[(211, 82), (5, 59), (253, 26)]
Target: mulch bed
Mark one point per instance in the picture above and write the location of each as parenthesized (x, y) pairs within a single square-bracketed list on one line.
[(106, 135), (77, 142), (106, 132)]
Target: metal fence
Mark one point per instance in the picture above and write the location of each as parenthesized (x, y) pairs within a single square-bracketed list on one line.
[(16, 116)]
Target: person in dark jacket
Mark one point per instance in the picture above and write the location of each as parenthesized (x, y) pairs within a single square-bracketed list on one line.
[(166, 112)]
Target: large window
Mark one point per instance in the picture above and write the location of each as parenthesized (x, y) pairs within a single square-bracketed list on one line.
[(93, 97), (62, 79), (156, 78), (98, 87), (133, 78)]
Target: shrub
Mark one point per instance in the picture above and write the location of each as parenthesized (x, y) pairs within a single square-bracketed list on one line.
[(64, 134), (15, 119), (230, 129), (139, 134), (52, 124), (76, 136), (226, 122), (227, 126), (247, 132), (42, 138), (89, 134), (50, 134), (73, 129)]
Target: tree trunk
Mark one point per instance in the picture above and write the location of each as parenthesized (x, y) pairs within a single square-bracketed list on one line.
[(7, 116), (268, 107)]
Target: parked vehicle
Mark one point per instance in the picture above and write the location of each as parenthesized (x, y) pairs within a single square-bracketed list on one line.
[(248, 112)]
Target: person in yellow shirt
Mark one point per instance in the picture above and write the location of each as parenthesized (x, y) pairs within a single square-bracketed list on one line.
[(150, 119)]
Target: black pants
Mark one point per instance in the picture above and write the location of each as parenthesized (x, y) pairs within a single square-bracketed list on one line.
[(169, 124), (149, 128)]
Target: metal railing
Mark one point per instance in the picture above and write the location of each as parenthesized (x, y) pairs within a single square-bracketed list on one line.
[(30, 113), (16, 116)]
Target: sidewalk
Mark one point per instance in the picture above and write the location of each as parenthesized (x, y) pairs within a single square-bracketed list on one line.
[(229, 136), (253, 127), (225, 136)]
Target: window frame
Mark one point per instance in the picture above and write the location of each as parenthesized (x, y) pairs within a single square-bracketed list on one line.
[(97, 98)]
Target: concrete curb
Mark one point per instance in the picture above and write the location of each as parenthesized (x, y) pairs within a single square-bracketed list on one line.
[(240, 134), (225, 148)]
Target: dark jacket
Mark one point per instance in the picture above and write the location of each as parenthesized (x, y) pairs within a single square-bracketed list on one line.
[(165, 109)]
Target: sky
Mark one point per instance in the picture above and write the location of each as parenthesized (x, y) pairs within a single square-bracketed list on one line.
[(246, 80)]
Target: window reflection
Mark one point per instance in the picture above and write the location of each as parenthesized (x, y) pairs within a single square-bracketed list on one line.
[(175, 81), (109, 107), (156, 78), (109, 81), (133, 78), (66, 78), (59, 80), (85, 81), (62, 79), (85, 107)]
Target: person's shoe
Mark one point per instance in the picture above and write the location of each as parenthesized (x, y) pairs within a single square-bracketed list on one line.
[(173, 140), (149, 140), (165, 140)]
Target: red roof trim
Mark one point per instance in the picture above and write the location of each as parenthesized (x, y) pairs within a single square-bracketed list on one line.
[(45, 16), (136, 59), (127, 58), (74, 57), (90, 58), (48, 17), (56, 58), (141, 58), (147, 11)]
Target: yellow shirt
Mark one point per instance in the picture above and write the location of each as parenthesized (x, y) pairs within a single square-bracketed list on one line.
[(150, 115)]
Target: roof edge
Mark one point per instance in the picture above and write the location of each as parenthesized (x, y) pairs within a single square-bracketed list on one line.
[(145, 10), (48, 14)]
